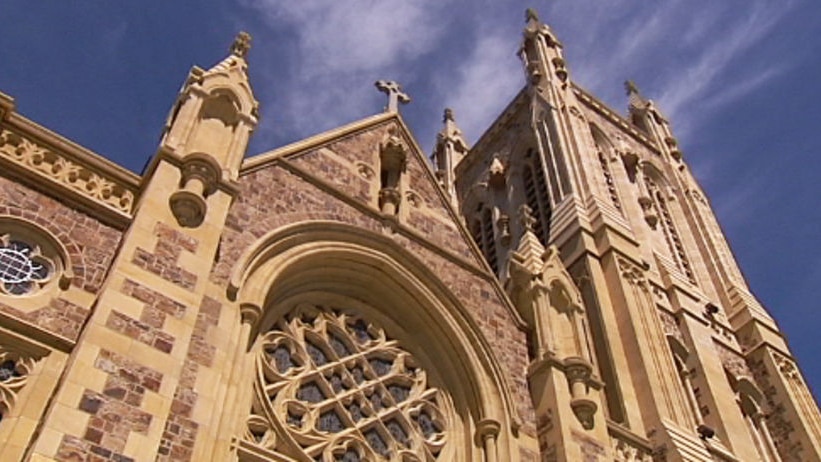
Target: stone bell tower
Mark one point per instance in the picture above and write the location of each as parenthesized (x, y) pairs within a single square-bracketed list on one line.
[(645, 341)]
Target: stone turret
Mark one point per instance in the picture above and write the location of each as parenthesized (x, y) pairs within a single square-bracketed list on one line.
[(207, 132), (450, 148)]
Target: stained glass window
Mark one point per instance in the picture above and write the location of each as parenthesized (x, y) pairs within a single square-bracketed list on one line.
[(344, 391), (22, 267)]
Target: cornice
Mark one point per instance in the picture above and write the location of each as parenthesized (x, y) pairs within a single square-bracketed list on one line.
[(61, 168), (259, 161), (593, 103)]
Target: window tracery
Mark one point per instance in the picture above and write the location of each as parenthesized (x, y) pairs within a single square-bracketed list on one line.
[(482, 232), (23, 267), (14, 372), (671, 236), (333, 387), (536, 195)]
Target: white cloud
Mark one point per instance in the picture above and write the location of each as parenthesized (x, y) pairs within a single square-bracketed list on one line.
[(488, 79), (719, 50), (343, 47)]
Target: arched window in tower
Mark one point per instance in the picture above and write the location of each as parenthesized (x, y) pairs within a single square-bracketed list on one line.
[(685, 376), (604, 152), (671, 235), (333, 387), (483, 235), (536, 195), (750, 401), (554, 160)]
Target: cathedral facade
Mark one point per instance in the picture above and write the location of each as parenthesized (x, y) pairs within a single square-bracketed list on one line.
[(559, 291)]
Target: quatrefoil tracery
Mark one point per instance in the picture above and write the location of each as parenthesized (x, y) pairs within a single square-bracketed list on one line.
[(338, 389)]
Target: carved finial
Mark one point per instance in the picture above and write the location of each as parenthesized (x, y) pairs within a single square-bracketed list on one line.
[(531, 15), (526, 217), (241, 45), (448, 115), (630, 87), (395, 94)]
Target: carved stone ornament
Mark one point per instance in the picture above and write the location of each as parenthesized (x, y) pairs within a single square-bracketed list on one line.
[(15, 369), (632, 272), (58, 169), (334, 387), (578, 372), (200, 178)]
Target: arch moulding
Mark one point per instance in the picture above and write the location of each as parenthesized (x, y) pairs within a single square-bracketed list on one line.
[(325, 260)]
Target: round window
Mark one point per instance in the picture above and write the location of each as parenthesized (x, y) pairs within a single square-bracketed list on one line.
[(23, 267)]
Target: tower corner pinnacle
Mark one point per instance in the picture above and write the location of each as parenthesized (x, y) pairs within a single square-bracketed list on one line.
[(241, 45)]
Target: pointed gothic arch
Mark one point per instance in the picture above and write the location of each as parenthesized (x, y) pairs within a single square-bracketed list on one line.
[(605, 152), (369, 276)]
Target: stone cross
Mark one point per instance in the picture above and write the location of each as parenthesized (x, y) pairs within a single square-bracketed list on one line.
[(395, 94)]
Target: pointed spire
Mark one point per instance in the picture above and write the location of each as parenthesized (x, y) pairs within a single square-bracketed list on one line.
[(451, 132), (238, 52), (531, 15), (635, 99), (529, 252), (450, 148), (541, 52)]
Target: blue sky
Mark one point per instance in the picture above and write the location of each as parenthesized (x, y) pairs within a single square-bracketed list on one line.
[(737, 78)]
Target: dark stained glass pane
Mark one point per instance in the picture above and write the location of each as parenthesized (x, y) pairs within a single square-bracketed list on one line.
[(8, 370), (282, 358), (355, 411), (330, 422), (337, 383), (360, 331), (398, 432), (426, 424), (358, 374), (376, 401), (399, 392), (349, 456), (311, 393), (339, 346), (380, 366), (317, 355), (377, 443), (40, 270), (294, 420)]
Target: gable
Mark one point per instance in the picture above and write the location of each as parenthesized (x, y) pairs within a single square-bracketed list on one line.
[(347, 160)]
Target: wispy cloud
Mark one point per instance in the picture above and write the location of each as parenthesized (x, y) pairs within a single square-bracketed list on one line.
[(488, 79), (678, 57), (719, 51), (342, 48)]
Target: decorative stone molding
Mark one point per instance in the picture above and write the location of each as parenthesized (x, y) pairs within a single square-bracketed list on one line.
[(632, 272), (578, 372), (670, 325), (393, 160), (201, 176), (733, 362), (365, 171), (55, 168), (32, 258)]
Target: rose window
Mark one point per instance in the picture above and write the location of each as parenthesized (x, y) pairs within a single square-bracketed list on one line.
[(333, 387), (23, 269)]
